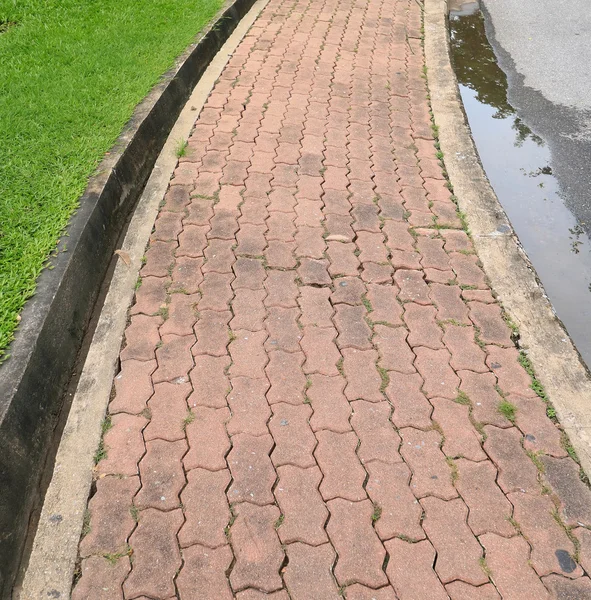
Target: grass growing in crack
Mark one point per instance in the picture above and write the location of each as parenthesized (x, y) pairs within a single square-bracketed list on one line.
[(454, 469), (190, 417), (114, 557), (535, 458), (339, 366), (86, 523), (485, 567), (462, 398), (536, 386), (508, 410), (279, 521), (181, 148), (101, 451), (377, 512), (72, 74), (135, 513), (385, 378)]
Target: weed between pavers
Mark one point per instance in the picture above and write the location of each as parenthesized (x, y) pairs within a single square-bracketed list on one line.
[(101, 452), (508, 410)]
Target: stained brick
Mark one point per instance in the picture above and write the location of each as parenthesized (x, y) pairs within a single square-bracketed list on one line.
[(439, 378), (423, 328), (203, 575), (133, 386), (379, 440), (208, 440), (363, 379), (315, 306), (308, 573), (210, 381), (411, 408), (168, 409), (249, 407), (294, 440), (101, 579), (174, 358)]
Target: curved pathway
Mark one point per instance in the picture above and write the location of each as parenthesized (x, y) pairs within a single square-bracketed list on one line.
[(319, 396)]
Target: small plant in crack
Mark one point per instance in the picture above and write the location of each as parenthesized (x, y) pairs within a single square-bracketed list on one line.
[(279, 521), (508, 410), (377, 512), (181, 148), (462, 398)]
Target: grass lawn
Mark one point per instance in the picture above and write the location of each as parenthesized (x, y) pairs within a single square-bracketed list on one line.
[(71, 73)]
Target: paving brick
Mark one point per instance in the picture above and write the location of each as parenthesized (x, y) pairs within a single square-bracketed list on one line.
[(458, 590), (516, 470), (285, 375), (256, 595), (308, 573), (395, 353), (304, 512), (162, 475), (252, 471), (174, 358), (206, 508), (159, 258), (460, 436), (540, 433), (187, 275), (583, 535), (314, 272), (412, 286), (458, 551), (203, 575), (294, 440), (467, 270), (315, 306), (283, 330), (360, 592), (410, 570), (376, 273), (210, 381), (363, 379), (343, 261), (386, 308), (465, 352), (481, 390), (123, 445), (431, 475), (249, 407), (565, 589), (564, 477), (182, 315), (379, 440), (111, 522), (281, 289), (151, 295), (348, 290), (168, 409), (343, 474), (310, 242), (156, 555), (248, 354), (450, 307), (400, 512), (249, 272), (331, 409), (422, 325), (101, 579), (133, 386), (256, 548), (551, 548), (318, 344), (219, 256), (248, 310), (439, 378), (200, 211), (411, 408), (141, 338), (361, 554), (511, 376), (192, 240), (508, 561), (487, 317), (208, 439), (216, 292), (354, 331)]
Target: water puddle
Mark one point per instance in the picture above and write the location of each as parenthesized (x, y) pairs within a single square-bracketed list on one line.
[(518, 163)]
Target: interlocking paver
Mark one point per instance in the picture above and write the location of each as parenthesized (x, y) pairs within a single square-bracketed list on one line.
[(315, 358), (361, 554)]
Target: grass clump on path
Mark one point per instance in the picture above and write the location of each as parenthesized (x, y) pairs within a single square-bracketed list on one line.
[(71, 73)]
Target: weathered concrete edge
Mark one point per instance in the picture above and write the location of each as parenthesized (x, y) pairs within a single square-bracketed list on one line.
[(34, 378), (555, 359), (55, 549)]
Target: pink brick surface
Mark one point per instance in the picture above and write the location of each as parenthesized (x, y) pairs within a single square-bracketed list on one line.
[(308, 401)]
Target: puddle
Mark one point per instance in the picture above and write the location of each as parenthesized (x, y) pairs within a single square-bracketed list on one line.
[(551, 224)]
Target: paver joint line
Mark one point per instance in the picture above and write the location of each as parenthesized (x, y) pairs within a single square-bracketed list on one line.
[(318, 394)]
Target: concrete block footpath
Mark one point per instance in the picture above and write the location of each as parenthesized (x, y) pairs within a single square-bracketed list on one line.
[(319, 396)]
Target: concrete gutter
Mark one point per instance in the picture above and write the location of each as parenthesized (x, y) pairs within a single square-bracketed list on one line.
[(555, 359), (35, 376), (51, 565)]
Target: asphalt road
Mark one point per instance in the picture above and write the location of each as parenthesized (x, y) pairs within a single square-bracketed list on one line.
[(544, 46), (531, 121)]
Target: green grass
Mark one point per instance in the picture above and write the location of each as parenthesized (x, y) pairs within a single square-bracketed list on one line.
[(71, 73)]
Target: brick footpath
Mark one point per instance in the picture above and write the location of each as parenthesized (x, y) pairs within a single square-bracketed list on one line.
[(319, 397)]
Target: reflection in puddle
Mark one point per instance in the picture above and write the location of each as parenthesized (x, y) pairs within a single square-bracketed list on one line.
[(517, 162)]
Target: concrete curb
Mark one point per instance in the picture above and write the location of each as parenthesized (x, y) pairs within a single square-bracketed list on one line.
[(556, 361), (33, 380), (53, 558)]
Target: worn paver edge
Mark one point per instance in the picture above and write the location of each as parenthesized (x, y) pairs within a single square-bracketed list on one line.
[(554, 357), (55, 548)]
